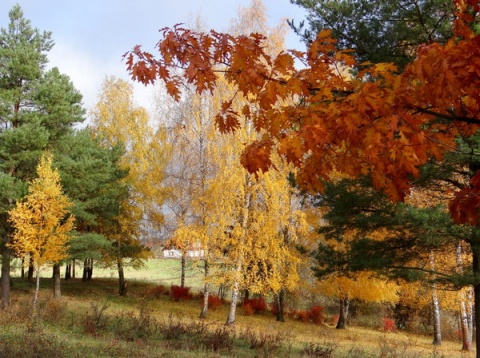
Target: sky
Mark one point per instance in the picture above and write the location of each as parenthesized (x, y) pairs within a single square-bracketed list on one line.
[(92, 35)]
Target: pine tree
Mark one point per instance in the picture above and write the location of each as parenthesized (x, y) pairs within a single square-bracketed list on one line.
[(37, 107)]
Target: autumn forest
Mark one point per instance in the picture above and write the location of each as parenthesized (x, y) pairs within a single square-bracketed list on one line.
[(313, 202)]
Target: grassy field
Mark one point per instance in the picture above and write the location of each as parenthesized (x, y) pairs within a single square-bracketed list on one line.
[(91, 320), (160, 271)]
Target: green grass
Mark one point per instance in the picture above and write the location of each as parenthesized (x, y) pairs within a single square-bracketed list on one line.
[(159, 271), (141, 326)]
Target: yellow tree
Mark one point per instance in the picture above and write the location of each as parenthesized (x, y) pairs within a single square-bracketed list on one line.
[(42, 221), (364, 286), (118, 121)]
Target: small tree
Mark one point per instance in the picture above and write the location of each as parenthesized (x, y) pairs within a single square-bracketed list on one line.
[(42, 221)]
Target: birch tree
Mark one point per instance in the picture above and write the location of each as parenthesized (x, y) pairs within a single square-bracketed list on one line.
[(118, 121)]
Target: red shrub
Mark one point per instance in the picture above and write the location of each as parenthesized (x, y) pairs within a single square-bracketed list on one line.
[(258, 304), (389, 325), (248, 309), (214, 302), (180, 293), (302, 315), (315, 314)]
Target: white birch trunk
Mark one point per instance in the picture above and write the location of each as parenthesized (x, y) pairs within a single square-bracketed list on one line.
[(437, 330)]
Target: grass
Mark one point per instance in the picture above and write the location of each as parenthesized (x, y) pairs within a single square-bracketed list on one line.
[(160, 271), (91, 320)]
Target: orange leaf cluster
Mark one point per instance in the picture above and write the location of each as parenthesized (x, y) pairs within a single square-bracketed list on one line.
[(379, 122)]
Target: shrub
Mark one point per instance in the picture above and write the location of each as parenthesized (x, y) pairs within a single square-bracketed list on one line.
[(316, 350), (248, 309), (258, 305), (389, 325), (214, 302), (315, 314), (31, 343), (268, 343), (180, 293), (219, 339), (302, 315), (96, 319)]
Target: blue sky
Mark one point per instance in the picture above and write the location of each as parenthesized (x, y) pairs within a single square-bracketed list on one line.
[(91, 35)]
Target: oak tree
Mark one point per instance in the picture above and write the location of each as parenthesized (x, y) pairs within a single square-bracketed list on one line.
[(382, 123)]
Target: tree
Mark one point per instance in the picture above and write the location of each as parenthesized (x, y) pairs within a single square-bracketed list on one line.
[(399, 26), (42, 222), (381, 122), (364, 286), (117, 121), (92, 178), (37, 107)]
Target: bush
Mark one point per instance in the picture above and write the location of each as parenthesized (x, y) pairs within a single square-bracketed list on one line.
[(315, 314), (257, 305), (32, 343), (180, 293), (268, 343), (214, 302), (316, 350), (302, 315), (96, 319), (248, 309), (389, 325)]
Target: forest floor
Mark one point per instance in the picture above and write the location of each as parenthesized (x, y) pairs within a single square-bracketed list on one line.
[(91, 320)]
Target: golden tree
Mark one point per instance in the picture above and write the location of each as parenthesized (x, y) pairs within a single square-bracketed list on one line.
[(42, 221), (118, 121)]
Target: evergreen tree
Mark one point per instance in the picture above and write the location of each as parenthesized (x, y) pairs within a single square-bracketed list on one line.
[(398, 26), (37, 107)]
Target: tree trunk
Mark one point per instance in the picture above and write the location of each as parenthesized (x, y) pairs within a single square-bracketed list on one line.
[(279, 305), (122, 290), (90, 269), (5, 278), (206, 269), (233, 303), (475, 245), (221, 291), (35, 297), (57, 293), (246, 295), (342, 318), (73, 268), (31, 269), (85, 270), (68, 271), (22, 273), (437, 330), (182, 268), (465, 321)]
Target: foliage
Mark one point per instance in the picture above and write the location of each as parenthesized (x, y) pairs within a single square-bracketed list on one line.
[(389, 125), (214, 302), (37, 108), (42, 221), (180, 293), (399, 26), (254, 305)]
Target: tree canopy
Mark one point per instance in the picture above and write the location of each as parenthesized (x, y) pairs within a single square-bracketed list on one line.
[(379, 123)]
